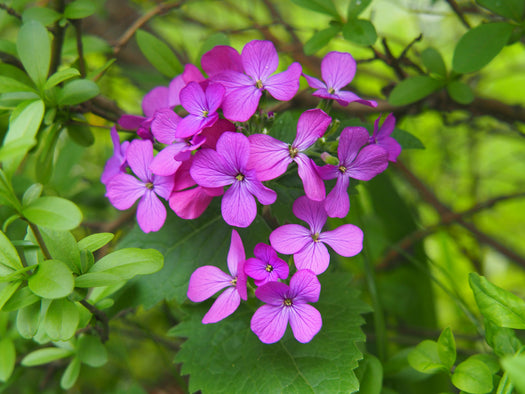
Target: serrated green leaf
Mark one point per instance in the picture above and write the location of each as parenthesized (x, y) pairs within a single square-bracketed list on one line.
[(7, 358), (53, 279), (323, 6), (413, 89), (91, 351), (61, 320), (158, 54), (9, 259), (94, 242), (325, 364), (79, 9), (126, 263), (446, 346), (46, 355), (77, 91), (496, 304), (356, 7), (460, 92), (473, 376), (43, 15), (478, 46), (70, 375), (34, 49), (370, 375), (433, 62), (514, 367), (360, 31), (320, 39), (28, 320), (425, 358), (53, 212), (512, 9), (61, 76)]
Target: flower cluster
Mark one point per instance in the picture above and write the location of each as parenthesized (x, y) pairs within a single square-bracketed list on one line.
[(208, 145)]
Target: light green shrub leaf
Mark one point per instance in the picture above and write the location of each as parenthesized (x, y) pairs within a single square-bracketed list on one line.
[(79, 9), (460, 92), (22, 298), (81, 134), (28, 320), (446, 346), (7, 358), (43, 15), (77, 91), (413, 89), (52, 279), (94, 242), (46, 355), (473, 376), (8, 84), (433, 62), (356, 7), (6, 294), (512, 9), (425, 358), (34, 50), (61, 320), (502, 340), (479, 46), (97, 279), (514, 367), (370, 375), (158, 54), (70, 375), (91, 351), (320, 39), (323, 6), (53, 212), (62, 245), (61, 76), (496, 304), (360, 31), (126, 263), (32, 193), (9, 259)]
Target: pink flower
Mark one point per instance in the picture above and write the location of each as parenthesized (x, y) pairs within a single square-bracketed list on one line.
[(116, 163), (266, 266), (382, 138), (208, 280)]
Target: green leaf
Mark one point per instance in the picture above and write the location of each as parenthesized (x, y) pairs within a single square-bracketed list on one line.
[(53, 279), (81, 134), (6, 294), (360, 31), (32, 193), (61, 76), (34, 49), (514, 367), (22, 298), (28, 320), (211, 42), (370, 374), (8, 84), (56, 213), (323, 6), (158, 54), (325, 364), (94, 242), (91, 351), (496, 304), (11, 100), (502, 340), (512, 9), (126, 263), (460, 92), (321, 39), (61, 320), (70, 375), (356, 7), (413, 89), (77, 91), (97, 279), (425, 358), (79, 9), (7, 358), (63, 246), (446, 346), (43, 15), (9, 259), (46, 153), (479, 46), (7, 194), (433, 62), (12, 72), (46, 355), (473, 376), (9, 48)]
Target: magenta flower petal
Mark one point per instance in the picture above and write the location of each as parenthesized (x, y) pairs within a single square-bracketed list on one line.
[(305, 287), (193, 99), (164, 162), (351, 140), (190, 125), (190, 203), (382, 137), (236, 253), (154, 100), (139, 156), (223, 306), (386, 129), (131, 122), (164, 126), (305, 322), (234, 149), (345, 97), (290, 238), (117, 162), (283, 86), (314, 257), (310, 211), (265, 195), (266, 266), (338, 69), (259, 59), (314, 82), (241, 103), (268, 156), (370, 161), (192, 73), (269, 322), (151, 212), (312, 182), (162, 185), (238, 206), (328, 171), (221, 58), (174, 89), (124, 190), (311, 126), (346, 240), (214, 95), (272, 293), (208, 169), (206, 281), (337, 203)]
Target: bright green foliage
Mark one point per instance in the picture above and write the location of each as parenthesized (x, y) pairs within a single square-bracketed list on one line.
[(320, 39), (356, 7), (514, 367), (77, 91), (34, 49), (460, 92), (324, 6), (473, 376), (512, 9), (325, 364), (360, 31), (9, 259), (94, 242), (158, 54), (52, 279), (425, 358), (502, 340), (370, 375), (70, 375), (433, 62), (61, 321), (46, 355), (28, 320), (45, 16), (80, 9), (446, 346), (413, 89), (91, 351), (61, 76), (56, 213), (7, 358)]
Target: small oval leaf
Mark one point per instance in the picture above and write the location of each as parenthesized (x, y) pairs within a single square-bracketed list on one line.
[(53, 212), (53, 279), (413, 89)]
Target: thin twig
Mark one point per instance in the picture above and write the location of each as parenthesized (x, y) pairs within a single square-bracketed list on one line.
[(80, 47), (58, 40), (457, 11), (101, 317), (10, 11)]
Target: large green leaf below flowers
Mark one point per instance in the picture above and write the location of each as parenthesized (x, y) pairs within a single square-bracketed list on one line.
[(227, 357)]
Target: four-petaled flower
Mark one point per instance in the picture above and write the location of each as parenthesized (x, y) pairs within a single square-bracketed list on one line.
[(266, 266), (208, 280), (308, 245), (285, 304), (382, 137), (337, 71)]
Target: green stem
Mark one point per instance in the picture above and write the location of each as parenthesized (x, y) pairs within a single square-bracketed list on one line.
[(40, 240)]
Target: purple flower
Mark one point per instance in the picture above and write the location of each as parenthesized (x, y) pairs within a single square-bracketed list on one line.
[(244, 89), (228, 166), (382, 137), (208, 280), (354, 163), (221, 58), (308, 245), (265, 266), (116, 163), (288, 304), (271, 157), (337, 70), (202, 107), (124, 189)]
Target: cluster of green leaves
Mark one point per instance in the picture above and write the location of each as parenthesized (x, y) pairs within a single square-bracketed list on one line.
[(500, 369)]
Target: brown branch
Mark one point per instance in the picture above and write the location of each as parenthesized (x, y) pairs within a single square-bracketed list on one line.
[(458, 12), (10, 11), (101, 317), (58, 41), (80, 47)]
